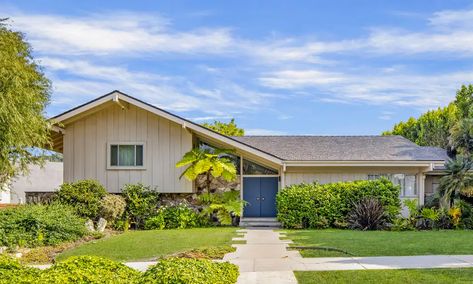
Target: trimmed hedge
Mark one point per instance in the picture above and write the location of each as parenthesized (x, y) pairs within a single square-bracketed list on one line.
[(36, 225), (322, 206), (89, 269), (187, 270)]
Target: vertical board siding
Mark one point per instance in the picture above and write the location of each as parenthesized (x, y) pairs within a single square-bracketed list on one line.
[(86, 141), (296, 178)]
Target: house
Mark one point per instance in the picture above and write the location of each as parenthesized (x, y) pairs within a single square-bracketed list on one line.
[(117, 139), (37, 185)]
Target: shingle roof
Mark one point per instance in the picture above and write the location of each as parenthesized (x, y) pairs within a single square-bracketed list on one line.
[(344, 148)]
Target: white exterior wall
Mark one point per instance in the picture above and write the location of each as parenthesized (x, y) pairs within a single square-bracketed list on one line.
[(39, 179), (86, 141), (4, 194)]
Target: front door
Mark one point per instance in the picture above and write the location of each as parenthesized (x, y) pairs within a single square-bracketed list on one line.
[(260, 195)]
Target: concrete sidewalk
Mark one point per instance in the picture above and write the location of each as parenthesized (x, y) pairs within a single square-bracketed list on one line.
[(265, 259)]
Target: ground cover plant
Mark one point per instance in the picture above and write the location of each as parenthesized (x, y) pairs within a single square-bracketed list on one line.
[(38, 225)]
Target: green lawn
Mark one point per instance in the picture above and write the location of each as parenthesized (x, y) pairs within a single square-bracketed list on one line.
[(146, 245), (405, 276), (383, 243)]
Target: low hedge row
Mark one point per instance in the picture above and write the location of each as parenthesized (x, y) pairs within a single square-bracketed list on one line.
[(92, 269), (327, 205)]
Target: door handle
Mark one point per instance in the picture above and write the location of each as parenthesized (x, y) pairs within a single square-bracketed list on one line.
[(257, 198), (262, 198)]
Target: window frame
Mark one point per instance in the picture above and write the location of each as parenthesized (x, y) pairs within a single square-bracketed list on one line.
[(134, 143), (403, 186)]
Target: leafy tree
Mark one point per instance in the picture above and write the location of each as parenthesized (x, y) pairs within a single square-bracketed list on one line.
[(464, 101), (208, 162), (457, 178), (24, 94), (461, 137), (229, 129)]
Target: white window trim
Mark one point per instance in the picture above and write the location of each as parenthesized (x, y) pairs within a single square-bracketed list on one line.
[(109, 149)]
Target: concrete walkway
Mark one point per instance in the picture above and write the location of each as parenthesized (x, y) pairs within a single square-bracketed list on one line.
[(265, 259)]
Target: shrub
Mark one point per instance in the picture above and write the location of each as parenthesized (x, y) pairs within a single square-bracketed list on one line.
[(112, 207), (224, 205), (141, 203), (35, 225), (178, 216), (466, 214), (89, 269), (320, 206), (367, 214), (187, 270), (84, 195), (427, 218), (11, 271)]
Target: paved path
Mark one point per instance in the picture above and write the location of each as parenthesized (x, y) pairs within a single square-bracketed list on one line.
[(265, 259)]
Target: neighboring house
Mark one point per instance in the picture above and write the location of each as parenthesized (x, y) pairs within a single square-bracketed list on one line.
[(118, 139), (37, 185)]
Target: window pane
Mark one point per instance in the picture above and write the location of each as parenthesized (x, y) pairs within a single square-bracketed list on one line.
[(410, 186), (250, 168), (114, 155), (139, 155), (126, 155)]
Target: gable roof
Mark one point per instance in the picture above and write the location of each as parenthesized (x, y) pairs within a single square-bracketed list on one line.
[(344, 148), (118, 96)]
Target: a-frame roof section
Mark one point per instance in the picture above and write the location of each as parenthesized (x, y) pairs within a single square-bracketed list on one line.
[(198, 129)]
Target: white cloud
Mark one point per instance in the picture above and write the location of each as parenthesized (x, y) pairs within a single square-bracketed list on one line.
[(299, 78), (117, 33)]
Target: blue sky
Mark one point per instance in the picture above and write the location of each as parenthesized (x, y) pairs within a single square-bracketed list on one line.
[(277, 67)]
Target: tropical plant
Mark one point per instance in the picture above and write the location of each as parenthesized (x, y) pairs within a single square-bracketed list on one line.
[(455, 213), (229, 129), (224, 205), (141, 203), (367, 214), (208, 162), (427, 218), (24, 94), (457, 178)]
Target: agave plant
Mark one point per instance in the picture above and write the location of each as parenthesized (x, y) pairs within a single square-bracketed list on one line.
[(457, 179)]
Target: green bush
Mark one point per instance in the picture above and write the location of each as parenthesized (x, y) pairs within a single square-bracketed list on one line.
[(141, 203), (11, 271), (171, 217), (84, 195), (112, 207), (321, 206), (36, 225), (187, 270), (89, 269)]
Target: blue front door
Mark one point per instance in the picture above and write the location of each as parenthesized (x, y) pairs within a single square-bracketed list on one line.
[(260, 193)]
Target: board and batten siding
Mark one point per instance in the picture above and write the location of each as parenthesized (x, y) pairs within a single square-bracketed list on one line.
[(165, 142), (296, 178)]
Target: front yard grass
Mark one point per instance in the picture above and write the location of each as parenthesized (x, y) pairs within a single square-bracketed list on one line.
[(382, 243), (152, 244), (406, 276)]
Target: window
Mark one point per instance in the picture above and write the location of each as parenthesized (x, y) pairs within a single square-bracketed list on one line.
[(124, 155), (250, 168), (407, 182)]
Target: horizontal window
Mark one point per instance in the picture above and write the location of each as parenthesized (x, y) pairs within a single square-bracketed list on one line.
[(126, 155), (406, 182)]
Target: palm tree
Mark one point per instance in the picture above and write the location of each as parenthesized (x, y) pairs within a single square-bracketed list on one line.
[(458, 178), (461, 137), (210, 162)]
